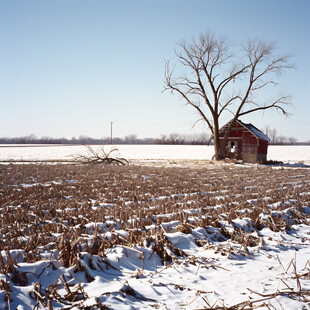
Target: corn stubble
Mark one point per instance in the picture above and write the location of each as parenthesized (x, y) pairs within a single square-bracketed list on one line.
[(68, 208)]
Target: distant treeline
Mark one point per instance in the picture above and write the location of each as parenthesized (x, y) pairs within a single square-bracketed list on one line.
[(199, 139), (173, 138)]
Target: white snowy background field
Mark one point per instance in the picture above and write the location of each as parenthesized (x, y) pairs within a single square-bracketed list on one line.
[(286, 154)]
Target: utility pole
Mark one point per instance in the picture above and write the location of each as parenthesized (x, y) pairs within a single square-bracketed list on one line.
[(111, 133)]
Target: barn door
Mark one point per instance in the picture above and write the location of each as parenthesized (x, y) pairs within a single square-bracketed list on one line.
[(233, 148)]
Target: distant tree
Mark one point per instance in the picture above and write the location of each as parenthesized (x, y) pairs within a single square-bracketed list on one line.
[(217, 82), (267, 130), (130, 139), (84, 139), (175, 138), (45, 140), (162, 140), (28, 139), (271, 133), (32, 138), (281, 140), (291, 140), (201, 138)]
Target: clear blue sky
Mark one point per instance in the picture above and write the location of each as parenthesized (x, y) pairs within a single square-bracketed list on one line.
[(70, 67)]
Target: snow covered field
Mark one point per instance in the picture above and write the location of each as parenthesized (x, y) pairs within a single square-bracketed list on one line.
[(287, 154), (142, 237)]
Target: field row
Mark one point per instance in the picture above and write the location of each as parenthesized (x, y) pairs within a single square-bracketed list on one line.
[(57, 214)]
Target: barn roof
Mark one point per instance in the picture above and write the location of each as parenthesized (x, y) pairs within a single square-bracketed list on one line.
[(259, 134), (255, 131)]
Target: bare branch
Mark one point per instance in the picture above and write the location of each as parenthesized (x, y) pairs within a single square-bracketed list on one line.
[(206, 60), (228, 103), (100, 157), (173, 88), (277, 105)]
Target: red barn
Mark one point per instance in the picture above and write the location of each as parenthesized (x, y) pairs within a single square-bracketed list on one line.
[(245, 142)]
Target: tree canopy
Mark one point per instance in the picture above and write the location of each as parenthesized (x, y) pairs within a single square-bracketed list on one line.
[(219, 78)]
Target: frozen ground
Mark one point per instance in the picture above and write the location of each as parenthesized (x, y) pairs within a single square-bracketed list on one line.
[(135, 237), (273, 276), (286, 154)]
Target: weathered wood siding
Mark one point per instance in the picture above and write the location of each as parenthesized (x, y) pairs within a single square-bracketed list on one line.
[(250, 148)]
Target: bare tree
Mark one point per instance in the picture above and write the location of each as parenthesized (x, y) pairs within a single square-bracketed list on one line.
[(292, 140), (218, 82), (281, 140), (175, 138), (131, 139), (267, 130), (271, 133)]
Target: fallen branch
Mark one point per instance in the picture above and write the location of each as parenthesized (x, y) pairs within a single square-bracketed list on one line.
[(100, 156)]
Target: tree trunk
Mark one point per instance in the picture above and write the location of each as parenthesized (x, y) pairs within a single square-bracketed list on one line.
[(219, 154)]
